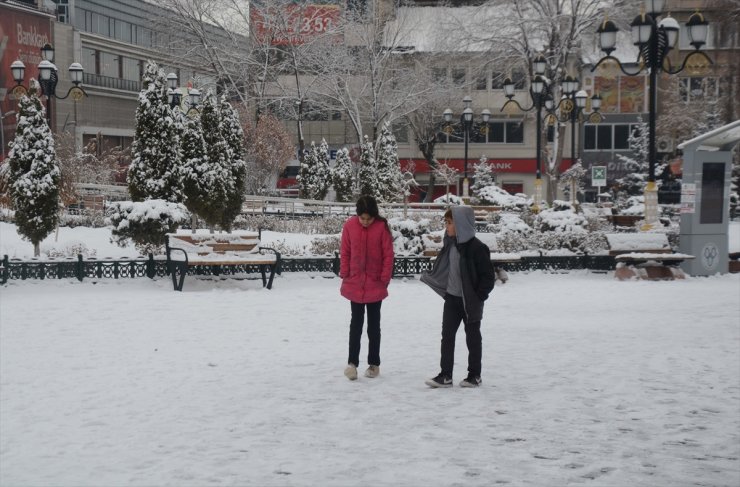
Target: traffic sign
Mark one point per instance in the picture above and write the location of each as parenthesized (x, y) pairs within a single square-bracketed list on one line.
[(598, 176)]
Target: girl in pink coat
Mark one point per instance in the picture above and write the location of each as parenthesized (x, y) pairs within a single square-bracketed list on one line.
[(366, 267)]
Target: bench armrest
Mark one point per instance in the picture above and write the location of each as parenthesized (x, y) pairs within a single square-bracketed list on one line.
[(169, 256), (277, 257)]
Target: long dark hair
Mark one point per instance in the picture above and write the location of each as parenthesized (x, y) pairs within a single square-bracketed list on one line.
[(368, 204)]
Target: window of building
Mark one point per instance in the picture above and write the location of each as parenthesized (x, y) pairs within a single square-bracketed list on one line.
[(123, 31), (621, 137), (610, 137), (131, 69), (698, 88), (481, 83), (400, 132), (518, 76), (439, 74), (100, 24), (109, 65), (458, 76), (727, 35), (495, 132), (88, 59)]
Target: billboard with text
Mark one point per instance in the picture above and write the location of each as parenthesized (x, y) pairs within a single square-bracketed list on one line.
[(292, 23), (22, 35)]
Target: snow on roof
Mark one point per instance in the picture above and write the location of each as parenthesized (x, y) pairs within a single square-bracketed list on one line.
[(442, 29)]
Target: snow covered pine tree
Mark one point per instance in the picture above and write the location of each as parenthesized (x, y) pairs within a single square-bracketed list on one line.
[(34, 173)]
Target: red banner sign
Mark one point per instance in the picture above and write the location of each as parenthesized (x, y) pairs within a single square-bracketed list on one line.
[(292, 24), (22, 35)]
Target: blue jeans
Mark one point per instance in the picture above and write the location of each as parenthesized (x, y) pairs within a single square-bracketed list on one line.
[(373, 332)]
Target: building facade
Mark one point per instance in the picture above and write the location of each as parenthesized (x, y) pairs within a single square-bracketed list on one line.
[(112, 41)]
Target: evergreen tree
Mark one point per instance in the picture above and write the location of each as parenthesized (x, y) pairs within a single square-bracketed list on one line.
[(217, 181), (322, 171), (154, 172), (195, 168), (34, 176), (314, 176), (634, 182), (368, 177), (233, 134), (342, 176), (390, 178), (305, 173), (484, 176)]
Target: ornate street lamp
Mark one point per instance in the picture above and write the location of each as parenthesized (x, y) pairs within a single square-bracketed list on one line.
[(48, 79), (174, 96), (572, 107), (466, 122), (655, 39), (538, 91)]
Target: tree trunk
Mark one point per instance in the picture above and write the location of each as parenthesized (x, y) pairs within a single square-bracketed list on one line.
[(36, 249)]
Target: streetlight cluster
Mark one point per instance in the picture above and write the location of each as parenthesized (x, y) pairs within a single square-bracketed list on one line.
[(174, 95), (655, 39), (571, 106), (466, 122), (48, 79)]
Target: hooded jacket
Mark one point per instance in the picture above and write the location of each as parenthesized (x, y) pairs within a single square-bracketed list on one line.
[(366, 261), (476, 270)]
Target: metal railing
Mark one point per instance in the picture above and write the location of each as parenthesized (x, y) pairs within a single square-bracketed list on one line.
[(81, 268), (111, 82)]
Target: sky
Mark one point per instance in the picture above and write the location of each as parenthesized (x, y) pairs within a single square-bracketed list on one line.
[(587, 380)]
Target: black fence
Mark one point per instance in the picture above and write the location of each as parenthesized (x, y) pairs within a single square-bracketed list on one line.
[(91, 268)]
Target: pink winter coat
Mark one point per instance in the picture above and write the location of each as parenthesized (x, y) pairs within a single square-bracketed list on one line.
[(366, 261)]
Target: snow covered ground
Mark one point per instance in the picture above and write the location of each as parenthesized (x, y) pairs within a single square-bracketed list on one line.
[(586, 381)]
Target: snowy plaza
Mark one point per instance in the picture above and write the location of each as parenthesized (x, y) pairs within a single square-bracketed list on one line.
[(586, 381)]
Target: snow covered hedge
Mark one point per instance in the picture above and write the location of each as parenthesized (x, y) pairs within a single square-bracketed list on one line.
[(145, 223)]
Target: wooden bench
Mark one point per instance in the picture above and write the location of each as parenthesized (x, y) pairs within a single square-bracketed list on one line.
[(645, 256), (214, 251)]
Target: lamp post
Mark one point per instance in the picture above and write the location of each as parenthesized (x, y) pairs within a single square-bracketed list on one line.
[(538, 90), (466, 122), (174, 95), (654, 40), (571, 106), (48, 79)]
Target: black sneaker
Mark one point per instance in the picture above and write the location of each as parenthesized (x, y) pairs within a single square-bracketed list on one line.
[(471, 381), (440, 381)]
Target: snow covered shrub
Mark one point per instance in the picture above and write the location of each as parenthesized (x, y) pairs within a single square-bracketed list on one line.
[(70, 249), (407, 234), (561, 217), (318, 225), (87, 218), (512, 232), (325, 245), (634, 205), (449, 199), (145, 222), (493, 195), (513, 242)]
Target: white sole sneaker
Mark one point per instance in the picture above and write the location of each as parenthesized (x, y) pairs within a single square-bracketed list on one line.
[(436, 385), (351, 372), (372, 371)]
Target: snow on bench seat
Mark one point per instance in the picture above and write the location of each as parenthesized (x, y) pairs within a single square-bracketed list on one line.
[(186, 250)]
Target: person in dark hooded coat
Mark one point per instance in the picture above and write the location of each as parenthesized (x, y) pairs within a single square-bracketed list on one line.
[(463, 275)]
